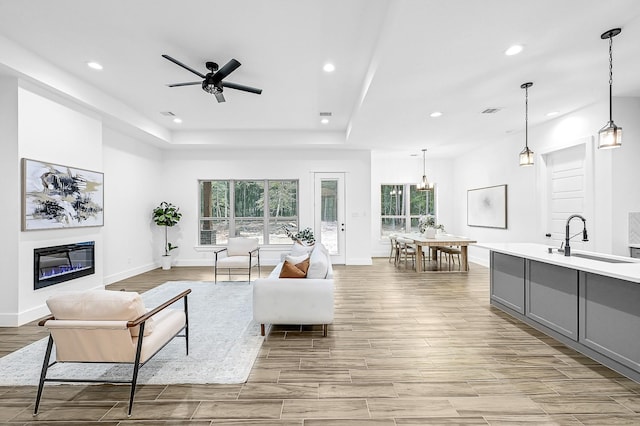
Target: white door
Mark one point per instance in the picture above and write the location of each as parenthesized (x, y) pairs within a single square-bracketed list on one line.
[(329, 207), (567, 193)]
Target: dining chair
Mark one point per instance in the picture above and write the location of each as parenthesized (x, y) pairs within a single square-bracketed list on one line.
[(406, 250), (449, 252), (394, 253)]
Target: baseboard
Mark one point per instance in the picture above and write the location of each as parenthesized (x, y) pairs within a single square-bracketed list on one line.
[(129, 273)]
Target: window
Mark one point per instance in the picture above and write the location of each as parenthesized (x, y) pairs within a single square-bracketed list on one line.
[(401, 205), (247, 208)]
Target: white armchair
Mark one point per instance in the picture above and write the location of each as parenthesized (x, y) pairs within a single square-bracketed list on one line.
[(103, 326), (240, 253)]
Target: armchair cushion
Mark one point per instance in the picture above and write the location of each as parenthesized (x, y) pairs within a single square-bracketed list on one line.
[(100, 305), (241, 246)]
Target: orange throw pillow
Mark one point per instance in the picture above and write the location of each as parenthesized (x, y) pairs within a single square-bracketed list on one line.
[(289, 270)]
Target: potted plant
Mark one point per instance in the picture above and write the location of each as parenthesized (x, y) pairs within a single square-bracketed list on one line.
[(304, 237), (428, 227), (166, 214)]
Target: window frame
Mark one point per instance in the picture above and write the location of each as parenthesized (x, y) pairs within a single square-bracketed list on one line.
[(406, 208), (232, 218)]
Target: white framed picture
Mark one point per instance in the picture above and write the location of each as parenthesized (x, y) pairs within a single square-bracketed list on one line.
[(487, 207)]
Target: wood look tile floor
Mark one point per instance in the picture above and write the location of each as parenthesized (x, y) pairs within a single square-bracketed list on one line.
[(405, 349)]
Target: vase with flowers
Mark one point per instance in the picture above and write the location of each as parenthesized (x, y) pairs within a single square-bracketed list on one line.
[(428, 227)]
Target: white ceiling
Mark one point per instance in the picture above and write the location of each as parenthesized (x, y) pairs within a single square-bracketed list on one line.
[(396, 62)]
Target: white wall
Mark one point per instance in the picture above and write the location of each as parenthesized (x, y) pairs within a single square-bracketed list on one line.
[(386, 169), (10, 223), (132, 186), (52, 132), (182, 169), (614, 196)]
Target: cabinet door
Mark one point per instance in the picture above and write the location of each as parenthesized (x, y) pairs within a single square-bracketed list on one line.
[(610, 317), (552, 297), (507, 281)]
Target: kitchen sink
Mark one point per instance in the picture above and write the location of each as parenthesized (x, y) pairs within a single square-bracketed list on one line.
[(600, 259)]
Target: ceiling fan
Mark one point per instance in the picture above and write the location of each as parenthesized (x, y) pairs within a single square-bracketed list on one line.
[(213, 82)]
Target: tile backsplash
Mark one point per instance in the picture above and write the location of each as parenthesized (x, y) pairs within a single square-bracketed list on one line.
[(634, 228)]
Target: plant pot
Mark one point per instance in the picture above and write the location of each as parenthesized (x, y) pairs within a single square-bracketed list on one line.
[(166, 262), (430, 232)]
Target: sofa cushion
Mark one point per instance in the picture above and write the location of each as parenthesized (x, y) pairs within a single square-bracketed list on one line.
[(290, 270), (100, 305), (318, 263)]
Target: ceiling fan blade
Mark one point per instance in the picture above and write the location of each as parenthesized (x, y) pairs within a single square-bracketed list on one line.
[(191, 83), (219, 96), (186, 67), (236, 86), (227, 69)]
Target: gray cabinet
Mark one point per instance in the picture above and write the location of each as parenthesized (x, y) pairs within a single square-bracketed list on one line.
[(552, 297), (610, 318), (507, 281), (635, 251)]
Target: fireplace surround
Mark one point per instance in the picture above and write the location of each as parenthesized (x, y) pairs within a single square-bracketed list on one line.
[(57, 264)]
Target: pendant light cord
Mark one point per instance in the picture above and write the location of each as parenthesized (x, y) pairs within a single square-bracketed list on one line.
[(610, 78), (526, 117)]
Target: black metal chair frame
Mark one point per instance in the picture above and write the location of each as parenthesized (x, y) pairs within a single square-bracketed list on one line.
[(136, 364), (253, 252)]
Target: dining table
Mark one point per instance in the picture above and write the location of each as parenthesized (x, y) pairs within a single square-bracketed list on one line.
[(440, 240)]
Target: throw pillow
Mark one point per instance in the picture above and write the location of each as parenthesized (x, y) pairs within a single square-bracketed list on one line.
[(319, 263), (296, 259), (289, 270), (298, 249)]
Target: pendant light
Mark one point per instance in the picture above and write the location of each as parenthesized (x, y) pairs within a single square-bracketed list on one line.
[(424, 184), (526, 155), (610, 136)]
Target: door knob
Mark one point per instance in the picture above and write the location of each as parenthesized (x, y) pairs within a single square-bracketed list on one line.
[(548, 235)]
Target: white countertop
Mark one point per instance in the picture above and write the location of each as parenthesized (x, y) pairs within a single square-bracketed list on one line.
[(634, 245), (624, 271)]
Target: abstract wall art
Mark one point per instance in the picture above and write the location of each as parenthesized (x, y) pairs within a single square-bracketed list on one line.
[(56, 196), (487, 207)]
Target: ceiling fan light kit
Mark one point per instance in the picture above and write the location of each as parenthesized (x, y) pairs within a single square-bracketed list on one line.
[(610, 136), (212, 82)]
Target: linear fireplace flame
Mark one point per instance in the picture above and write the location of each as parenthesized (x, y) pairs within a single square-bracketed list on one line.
[(53, 265)]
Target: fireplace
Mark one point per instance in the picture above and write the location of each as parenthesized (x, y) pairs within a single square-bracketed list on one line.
[(53, 265)]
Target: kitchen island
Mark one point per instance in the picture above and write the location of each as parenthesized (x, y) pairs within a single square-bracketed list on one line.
[(588, 301)]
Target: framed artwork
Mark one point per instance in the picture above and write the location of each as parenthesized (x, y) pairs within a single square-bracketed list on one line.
[(487, 207), (55, 196)]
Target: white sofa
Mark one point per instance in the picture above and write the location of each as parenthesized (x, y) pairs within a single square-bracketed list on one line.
[(297, 300)]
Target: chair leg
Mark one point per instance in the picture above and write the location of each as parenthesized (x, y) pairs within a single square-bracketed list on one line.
[(136, 367), (262, 329), (43, 373), (325, 328), (186, 324)]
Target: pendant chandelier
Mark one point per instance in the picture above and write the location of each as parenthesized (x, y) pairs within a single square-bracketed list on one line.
[(610, 136), (526, 155), (424, 184)]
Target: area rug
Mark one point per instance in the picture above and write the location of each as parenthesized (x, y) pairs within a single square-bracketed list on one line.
[(224, 342)]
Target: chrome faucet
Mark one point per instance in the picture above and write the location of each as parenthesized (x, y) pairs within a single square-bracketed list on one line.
[(567, 248)]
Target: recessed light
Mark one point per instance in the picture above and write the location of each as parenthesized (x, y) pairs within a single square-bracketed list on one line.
[(177, 120), (94, 65), (325, 121), (552, 113), (329, 67), (435, 114), (513, 50)]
